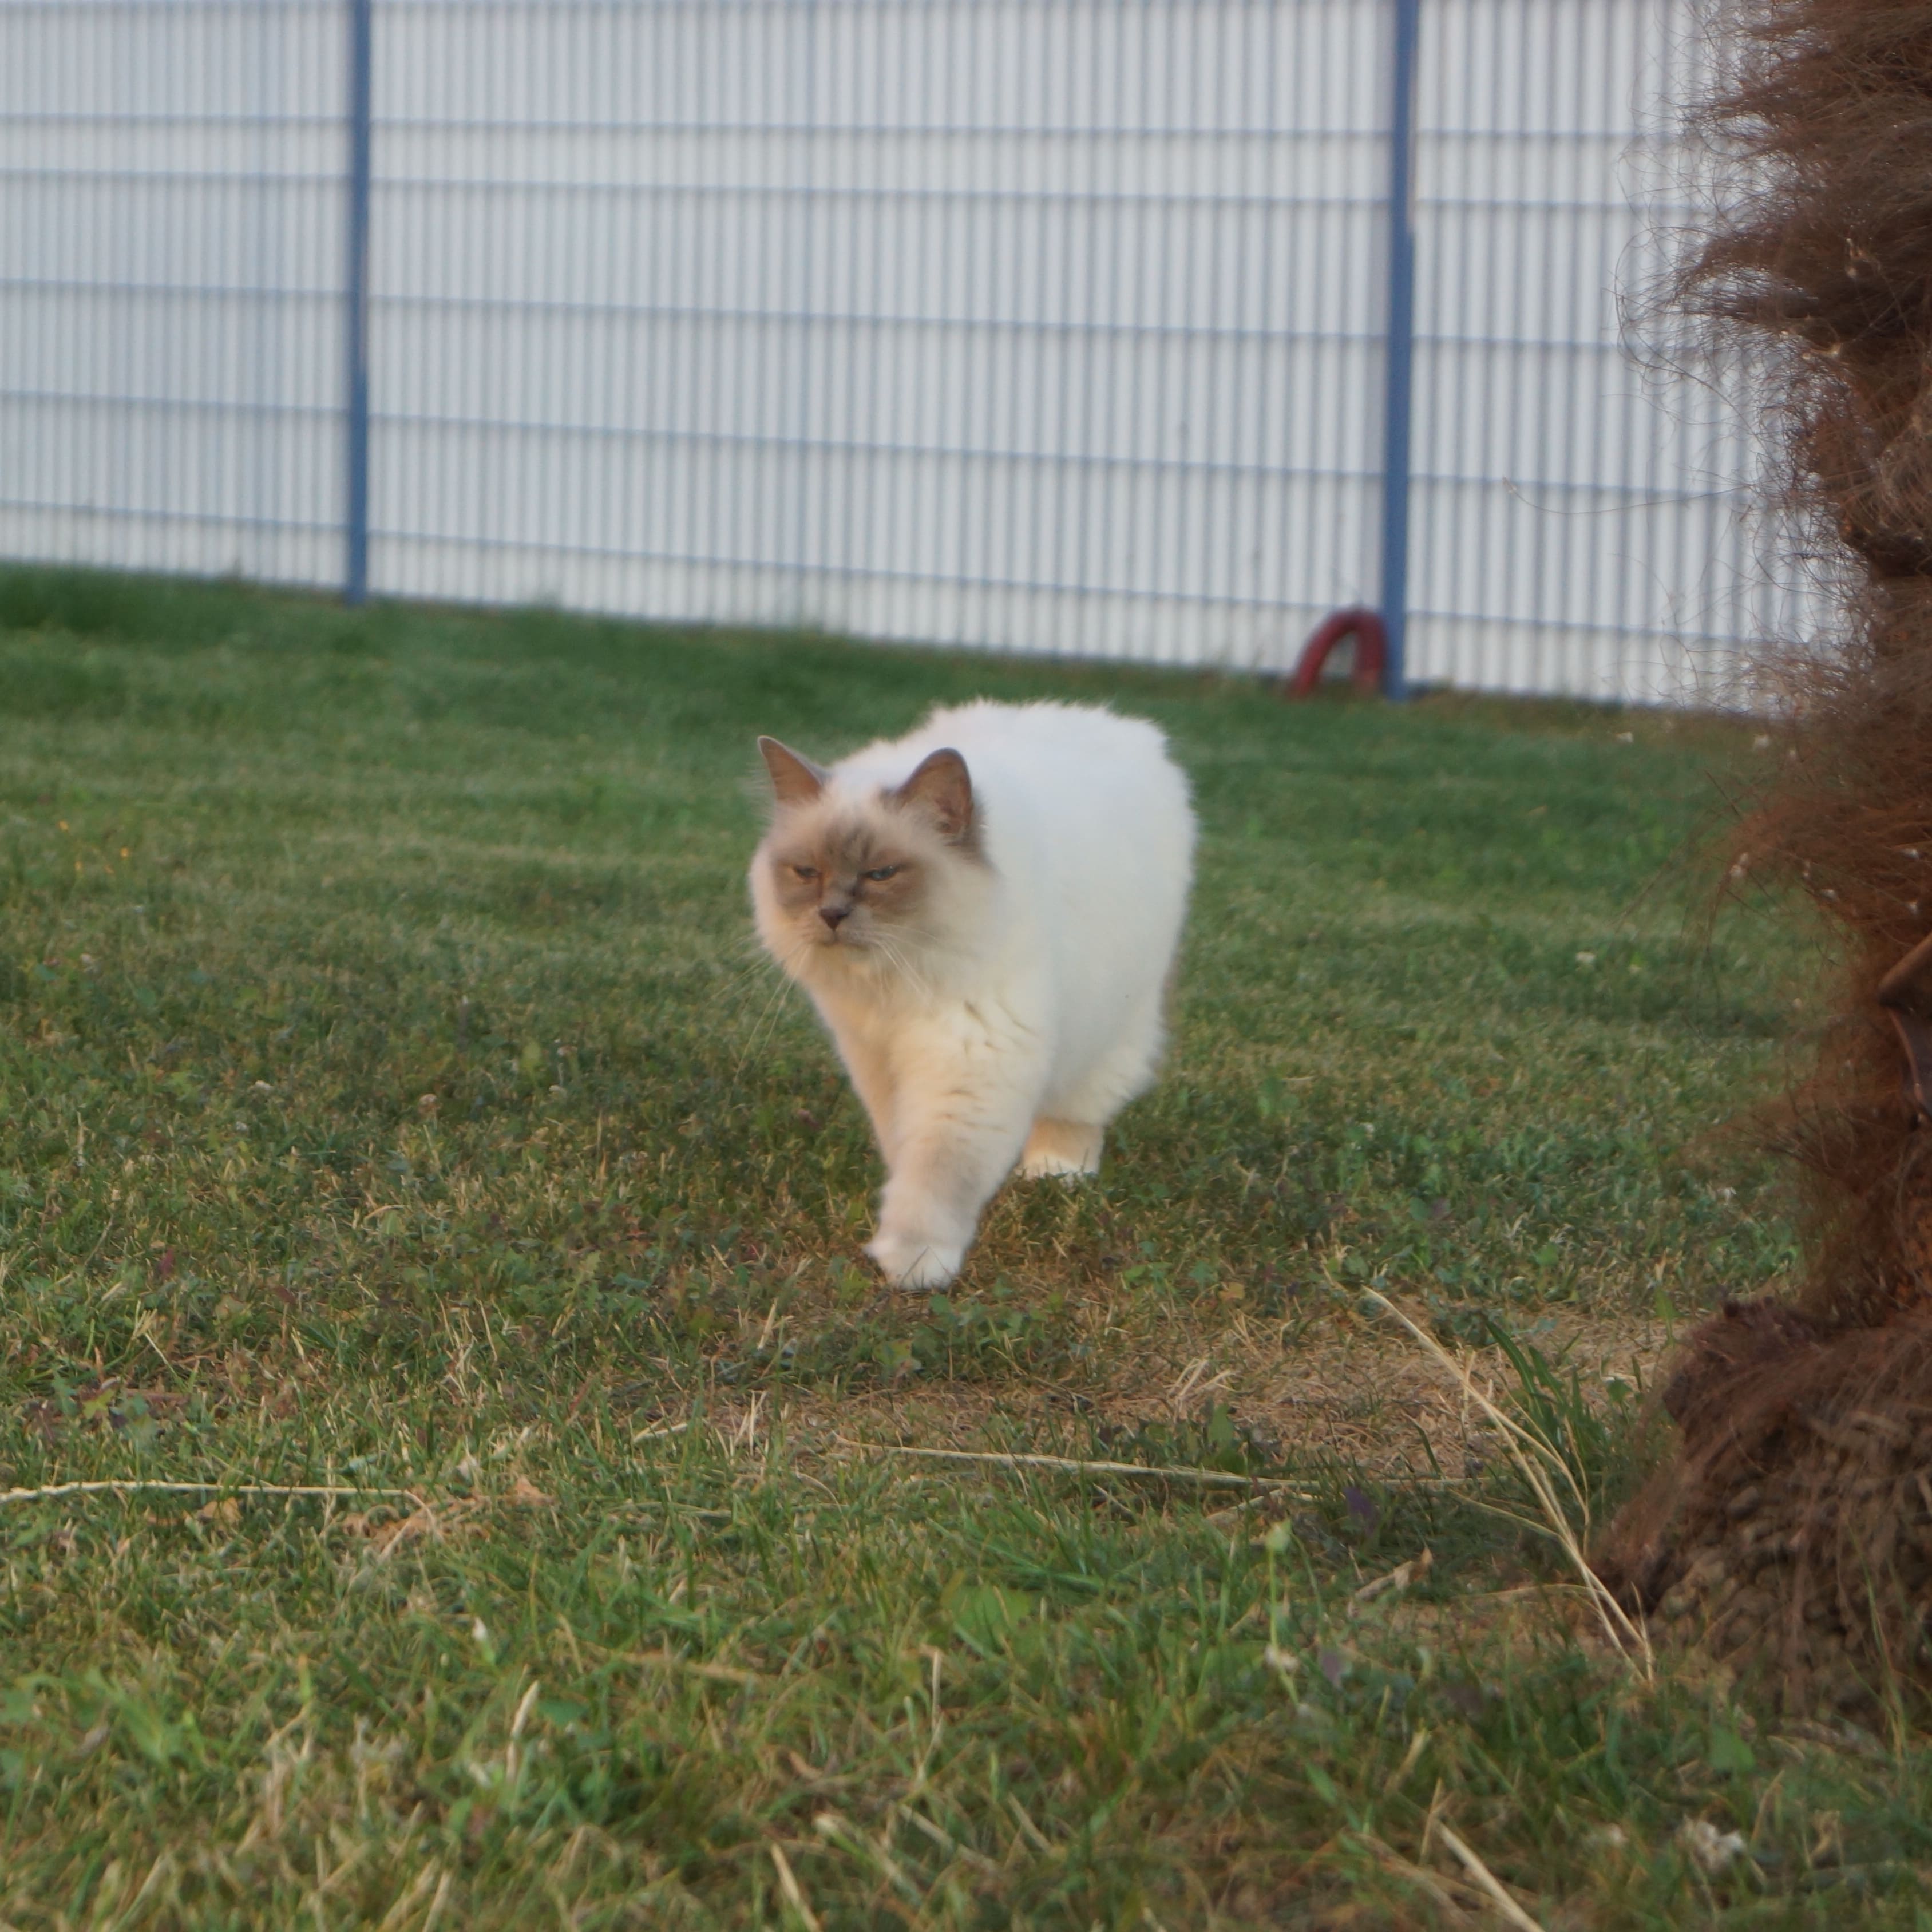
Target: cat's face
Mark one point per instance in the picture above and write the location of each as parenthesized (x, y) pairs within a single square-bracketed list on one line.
[(875, 876), (847, 879)]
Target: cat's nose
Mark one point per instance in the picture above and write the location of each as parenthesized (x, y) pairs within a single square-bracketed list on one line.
[(833, 915)]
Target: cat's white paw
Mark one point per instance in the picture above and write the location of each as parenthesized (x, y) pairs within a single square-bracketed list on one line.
[(1067, 1149), (912, 1261), (1057, 1166)]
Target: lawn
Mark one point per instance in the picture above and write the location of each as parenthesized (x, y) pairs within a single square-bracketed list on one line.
[(396, 1105)]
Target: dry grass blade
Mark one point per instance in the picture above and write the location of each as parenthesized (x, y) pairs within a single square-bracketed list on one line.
[(1535, 1458), (1426, 1882), (1216, 1479), (692, 1666), (1397, 1580), (658, 1431), (399, 1913), (946, 1841), (788, 1884), (436, 1904), (1488, 1881), (53, 1490)]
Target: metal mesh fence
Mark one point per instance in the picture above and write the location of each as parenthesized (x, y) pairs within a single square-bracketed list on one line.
[(1048, 324)]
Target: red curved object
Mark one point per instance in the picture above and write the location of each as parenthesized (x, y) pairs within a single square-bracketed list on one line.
[(1371, 650)]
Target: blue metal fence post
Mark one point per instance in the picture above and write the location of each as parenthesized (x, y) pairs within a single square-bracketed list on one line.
[(1400, 348), (356, 303)]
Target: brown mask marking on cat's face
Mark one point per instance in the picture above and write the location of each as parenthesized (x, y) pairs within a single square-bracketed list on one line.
[(844, 881)]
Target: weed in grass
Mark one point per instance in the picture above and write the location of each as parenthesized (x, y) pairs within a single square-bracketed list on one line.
[(1597, 1437)]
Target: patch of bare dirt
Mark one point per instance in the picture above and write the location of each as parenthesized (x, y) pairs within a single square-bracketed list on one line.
[(1346, 1391)]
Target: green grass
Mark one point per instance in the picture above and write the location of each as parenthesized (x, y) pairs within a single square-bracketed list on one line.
[(393, 1098)]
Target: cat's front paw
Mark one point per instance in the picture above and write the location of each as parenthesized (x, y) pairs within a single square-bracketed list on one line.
[(1057, 1167), (914, 1262), (1066, 1150)]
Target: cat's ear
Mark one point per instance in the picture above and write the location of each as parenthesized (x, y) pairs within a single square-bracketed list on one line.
[(795, 781), (943, 785)]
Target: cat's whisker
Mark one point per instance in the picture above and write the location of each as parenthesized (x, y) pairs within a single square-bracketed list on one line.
[(753, 970), (754, 962), (766, 1023), (903, 966)]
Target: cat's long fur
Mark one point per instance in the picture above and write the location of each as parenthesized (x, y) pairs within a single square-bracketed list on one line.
[(985, 914)]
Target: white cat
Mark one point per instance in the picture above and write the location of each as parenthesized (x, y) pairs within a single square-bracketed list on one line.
[(985, 914)]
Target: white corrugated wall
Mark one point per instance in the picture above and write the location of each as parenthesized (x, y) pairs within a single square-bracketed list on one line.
[(1051, 325)]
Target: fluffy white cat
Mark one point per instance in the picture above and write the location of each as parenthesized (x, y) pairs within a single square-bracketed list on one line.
[(985, 914)]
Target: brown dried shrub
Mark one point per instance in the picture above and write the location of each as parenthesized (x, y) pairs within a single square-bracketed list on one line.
[(1814, 1421)]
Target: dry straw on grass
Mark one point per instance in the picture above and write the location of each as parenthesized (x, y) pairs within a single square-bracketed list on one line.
[(1212, 1479), (1491, 1885), (1544, 1468), (52, 1492)]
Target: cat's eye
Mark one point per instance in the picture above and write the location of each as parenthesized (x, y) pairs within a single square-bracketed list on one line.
[(805, 872), (884, 872)]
